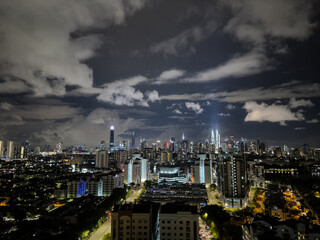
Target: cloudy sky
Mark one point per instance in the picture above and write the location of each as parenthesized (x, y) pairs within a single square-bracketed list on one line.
[(70, 69)]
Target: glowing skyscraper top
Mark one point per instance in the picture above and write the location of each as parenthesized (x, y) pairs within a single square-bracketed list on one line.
[(111, 144)]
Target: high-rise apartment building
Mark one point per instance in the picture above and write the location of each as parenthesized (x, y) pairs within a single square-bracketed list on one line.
[(232, 179), (136, 169), (203, 172), (121, 156), (2, 149), (10, 149), (102, 159), (77, 188)]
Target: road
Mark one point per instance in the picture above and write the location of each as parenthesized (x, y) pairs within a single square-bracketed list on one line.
[(204, 230), (105, 228), (133, 196)]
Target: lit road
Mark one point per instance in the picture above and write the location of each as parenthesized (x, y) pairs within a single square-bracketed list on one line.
[(105, 228), (133, 196)]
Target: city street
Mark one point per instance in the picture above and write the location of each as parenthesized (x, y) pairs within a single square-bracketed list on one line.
[(105, 228), (133, 196), (204, 230)]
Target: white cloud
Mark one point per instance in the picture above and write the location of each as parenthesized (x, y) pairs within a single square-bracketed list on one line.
[(271, 113), (224, 114), (239, 66), (37, 46), (177, 111), (6, 106), (124, 95), (152, 96), (167, 76), (123, 92), (194, 107), (208, 103), (313, 121), (230, 107), (255, 20), (183, 40), (300, 103)]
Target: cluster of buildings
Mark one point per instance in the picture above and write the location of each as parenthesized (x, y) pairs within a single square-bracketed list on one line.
[(97, 185), (179, 174)]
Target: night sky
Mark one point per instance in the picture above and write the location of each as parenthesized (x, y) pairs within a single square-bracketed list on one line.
[(70, 69)]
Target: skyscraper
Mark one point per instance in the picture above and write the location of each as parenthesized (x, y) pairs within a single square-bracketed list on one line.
[(1, 149), (232, 179), (10, 149), (111, 144), (212, 137), (133, 140)]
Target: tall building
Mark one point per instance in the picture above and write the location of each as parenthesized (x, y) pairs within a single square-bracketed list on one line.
[(133, 140), (215, 139), (102, 159), (166, 157), (77, 188), (179, 222), (232, 179), (212, 137), (136, 169), (143, 144), (121, 156), (10, 149), (203, 170), (111, 144), (1, 149), (172, 144)]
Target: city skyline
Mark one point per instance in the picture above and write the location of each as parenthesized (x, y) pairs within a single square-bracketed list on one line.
[(159, 69)]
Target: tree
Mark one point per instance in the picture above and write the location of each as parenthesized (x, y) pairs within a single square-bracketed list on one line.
[(107, 237)]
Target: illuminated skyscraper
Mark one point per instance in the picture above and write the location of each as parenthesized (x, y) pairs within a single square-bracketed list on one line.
[(217, 139), (111, 144), (212, 137), (10, 149), (133, 139)]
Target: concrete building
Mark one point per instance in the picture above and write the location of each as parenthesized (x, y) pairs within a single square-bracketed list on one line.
[(121, 156), (136, 170), (203, 172), (10, 149), (232, 179), (77, 188), (171, 174), (102, 159), (132, 222), (166, 157), (111, 181), (2, 149), (179, 222)]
